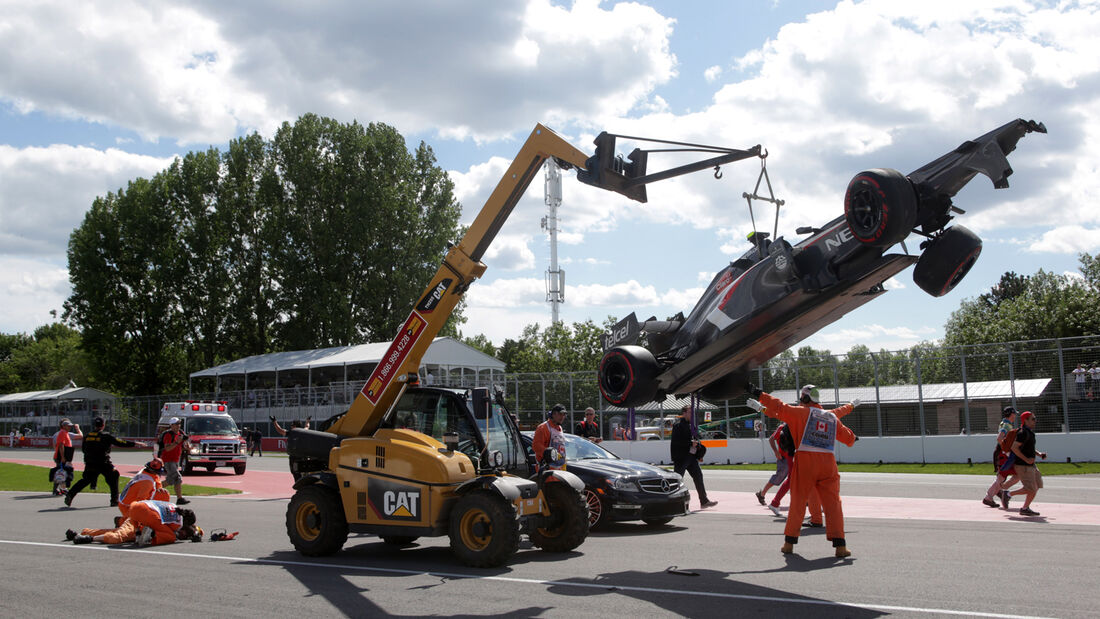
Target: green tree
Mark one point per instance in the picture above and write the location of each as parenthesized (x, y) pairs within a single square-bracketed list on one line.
[(124, 266), (48, 359)]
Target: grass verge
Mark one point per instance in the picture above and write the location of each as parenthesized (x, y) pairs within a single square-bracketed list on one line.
[(936, 468), (30, 478)]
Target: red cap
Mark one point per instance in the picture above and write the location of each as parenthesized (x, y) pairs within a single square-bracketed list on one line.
[(1024, 416)]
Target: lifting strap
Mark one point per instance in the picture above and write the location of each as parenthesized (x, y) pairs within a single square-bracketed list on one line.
[(755, 195)]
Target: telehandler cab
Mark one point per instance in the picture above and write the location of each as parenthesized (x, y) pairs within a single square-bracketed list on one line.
[(407, 461)]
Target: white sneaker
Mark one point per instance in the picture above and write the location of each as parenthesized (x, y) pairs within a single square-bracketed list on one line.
[(144, 537), (775, 510)]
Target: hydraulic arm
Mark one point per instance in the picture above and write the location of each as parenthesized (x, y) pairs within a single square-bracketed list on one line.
[(462, 265)]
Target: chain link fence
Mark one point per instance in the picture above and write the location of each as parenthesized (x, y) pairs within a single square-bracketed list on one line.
[(922, 391)]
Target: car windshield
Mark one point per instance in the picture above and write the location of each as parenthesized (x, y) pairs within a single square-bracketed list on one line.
[(215, 426), (577, 448)]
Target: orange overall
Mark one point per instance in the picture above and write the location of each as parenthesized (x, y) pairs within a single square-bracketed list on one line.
[(141, 487), (160, 516), (812, 469)]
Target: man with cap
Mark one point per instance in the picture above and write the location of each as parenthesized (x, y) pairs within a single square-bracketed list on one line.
[(1003, 460), (549, 441), (97, 460), (815, 433), (170, 447), (63, 453), (1024, 450)]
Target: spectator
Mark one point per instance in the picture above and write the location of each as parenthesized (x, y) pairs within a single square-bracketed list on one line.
[(429, 379), (588, 428), (1079, 375), (684, 447), (247, 435), (11, 439), (171, 444), (782, 444), (1024, 449), (1094, 378), (1003, 460), (293, 424), (549, 440), (257, 443), (97, 460), (63, 454)]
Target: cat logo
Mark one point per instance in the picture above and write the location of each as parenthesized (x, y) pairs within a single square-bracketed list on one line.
[(391, 500), (401, 504)]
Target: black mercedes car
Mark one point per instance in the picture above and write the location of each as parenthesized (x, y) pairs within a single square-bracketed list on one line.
[(618, 489), (779, 293)]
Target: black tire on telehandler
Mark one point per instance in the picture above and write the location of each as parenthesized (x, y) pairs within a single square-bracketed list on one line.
[(569, 519), (315, 521), (484, 529)]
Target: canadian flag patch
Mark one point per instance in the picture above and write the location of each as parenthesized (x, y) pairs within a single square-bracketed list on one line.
[(821, 426)]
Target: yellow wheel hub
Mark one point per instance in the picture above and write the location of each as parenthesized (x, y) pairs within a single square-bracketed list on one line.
[(307, 521), (473, 522)]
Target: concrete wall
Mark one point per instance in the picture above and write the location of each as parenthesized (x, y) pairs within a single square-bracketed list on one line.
[(1080, 446)]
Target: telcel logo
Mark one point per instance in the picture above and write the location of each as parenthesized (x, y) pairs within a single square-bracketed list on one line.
[(404, 504)]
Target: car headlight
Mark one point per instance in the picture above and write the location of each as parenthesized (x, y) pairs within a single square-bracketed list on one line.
[(623, 483), (196, 449)]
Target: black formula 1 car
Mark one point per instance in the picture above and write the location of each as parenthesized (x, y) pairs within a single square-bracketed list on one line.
[(777, 294)]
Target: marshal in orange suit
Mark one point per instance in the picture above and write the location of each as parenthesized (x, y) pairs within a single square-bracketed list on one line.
[(816, 432)]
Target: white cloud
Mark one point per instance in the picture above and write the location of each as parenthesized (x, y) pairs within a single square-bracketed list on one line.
[(874, 336), (1068, 240), (29, 289), (202, 72), (712, 73), (46, 192), (510, 254), (894, 284)]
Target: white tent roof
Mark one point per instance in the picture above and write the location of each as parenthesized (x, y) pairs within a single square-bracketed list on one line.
[(68, 393), (444, 351)]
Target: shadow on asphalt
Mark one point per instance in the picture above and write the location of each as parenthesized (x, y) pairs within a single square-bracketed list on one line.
[(748, 599)]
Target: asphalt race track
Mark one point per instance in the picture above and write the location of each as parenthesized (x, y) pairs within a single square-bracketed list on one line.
[(923, 545)]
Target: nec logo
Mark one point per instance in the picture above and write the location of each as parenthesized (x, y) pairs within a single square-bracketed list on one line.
[(433, 298), (401, 504), (838, 239)]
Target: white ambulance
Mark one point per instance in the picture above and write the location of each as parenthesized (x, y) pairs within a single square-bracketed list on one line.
[(213, 437)]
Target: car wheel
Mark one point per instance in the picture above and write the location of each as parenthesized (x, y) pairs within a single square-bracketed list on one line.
[(568, 521), (627, 376), (484, 530), (657, 522), (210, 468), (238, 469), (880, 207), (315, 521), (946, 260), (595, 509)]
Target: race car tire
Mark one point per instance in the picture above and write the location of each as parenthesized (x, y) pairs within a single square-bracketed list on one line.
[(628, 376), (725, 388), (946, 260), (880, 207)]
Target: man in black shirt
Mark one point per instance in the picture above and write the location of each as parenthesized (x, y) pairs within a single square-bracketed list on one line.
[(588, 428), (685, 452), (97, 460), (1024, 450)]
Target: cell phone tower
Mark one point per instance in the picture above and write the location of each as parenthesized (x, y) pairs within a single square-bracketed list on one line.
[(555, 277)]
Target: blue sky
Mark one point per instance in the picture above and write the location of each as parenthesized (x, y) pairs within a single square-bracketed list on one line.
[(95, 94)]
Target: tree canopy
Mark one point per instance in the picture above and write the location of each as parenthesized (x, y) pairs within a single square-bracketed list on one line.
[(324, 235)]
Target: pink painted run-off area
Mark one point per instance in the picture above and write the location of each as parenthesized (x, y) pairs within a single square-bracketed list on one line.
[(919, 509), (253, 484)]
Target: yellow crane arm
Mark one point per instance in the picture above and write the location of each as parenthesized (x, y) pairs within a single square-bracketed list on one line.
[(460, 268)]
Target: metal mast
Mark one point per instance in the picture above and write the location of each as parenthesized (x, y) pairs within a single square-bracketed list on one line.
[(555, 277)]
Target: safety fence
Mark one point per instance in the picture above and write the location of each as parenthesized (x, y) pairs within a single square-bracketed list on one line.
[(923, 391)]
